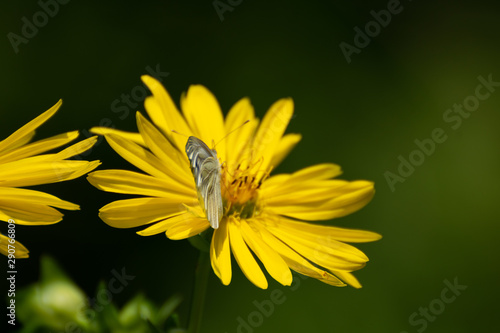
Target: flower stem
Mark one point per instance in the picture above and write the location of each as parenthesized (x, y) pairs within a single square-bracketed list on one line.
[(200, 288)]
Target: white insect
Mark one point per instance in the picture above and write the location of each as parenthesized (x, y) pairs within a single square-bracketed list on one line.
[(206, 170)]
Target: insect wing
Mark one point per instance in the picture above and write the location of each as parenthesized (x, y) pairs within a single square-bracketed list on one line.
[(205, 167), (211, 191)]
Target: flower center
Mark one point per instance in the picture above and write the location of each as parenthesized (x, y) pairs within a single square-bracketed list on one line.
[(240, 191)]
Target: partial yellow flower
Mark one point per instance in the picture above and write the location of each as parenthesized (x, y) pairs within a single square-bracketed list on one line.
[(263, 214), (21, 251), (23, 163)]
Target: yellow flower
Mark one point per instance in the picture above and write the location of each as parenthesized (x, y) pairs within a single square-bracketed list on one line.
[(263, 214), (23, 164)]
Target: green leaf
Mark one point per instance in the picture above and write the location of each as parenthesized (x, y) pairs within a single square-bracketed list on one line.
[(51, 271), (168, 308)]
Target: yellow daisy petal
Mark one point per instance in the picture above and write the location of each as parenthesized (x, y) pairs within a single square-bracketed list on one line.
[(325, 242), (273, 263), (188, 226), (19, 142), (76, 149), (244, 258), (163, 149), (356, 195), (131, 182), (297, 262), (285, 146), (239, 141), (312, 192), (38, 147), (348, 278), (203, 114), (33, 214), (20, 250), (271, 130), (330, 260), (313, 173), (134, 137), (303, 193), (275, 182), (220, 254), (37, 170), (26, 130), (164, 225), (34, 197), (131, 213), (142, 158), (163, 112), (81, 168), (317, 172), (5, 217), (328, 232)]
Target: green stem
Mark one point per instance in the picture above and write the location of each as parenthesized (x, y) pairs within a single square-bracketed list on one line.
[(200, 288)]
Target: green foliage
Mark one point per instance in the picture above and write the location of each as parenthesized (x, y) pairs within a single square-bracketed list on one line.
[(57, 303)]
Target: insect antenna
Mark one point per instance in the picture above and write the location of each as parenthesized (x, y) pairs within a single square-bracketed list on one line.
[(225, 136)]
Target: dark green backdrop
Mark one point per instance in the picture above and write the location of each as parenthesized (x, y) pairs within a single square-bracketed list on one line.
[(439, 224)]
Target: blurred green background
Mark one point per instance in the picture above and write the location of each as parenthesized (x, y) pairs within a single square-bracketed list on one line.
[(439, 224)]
